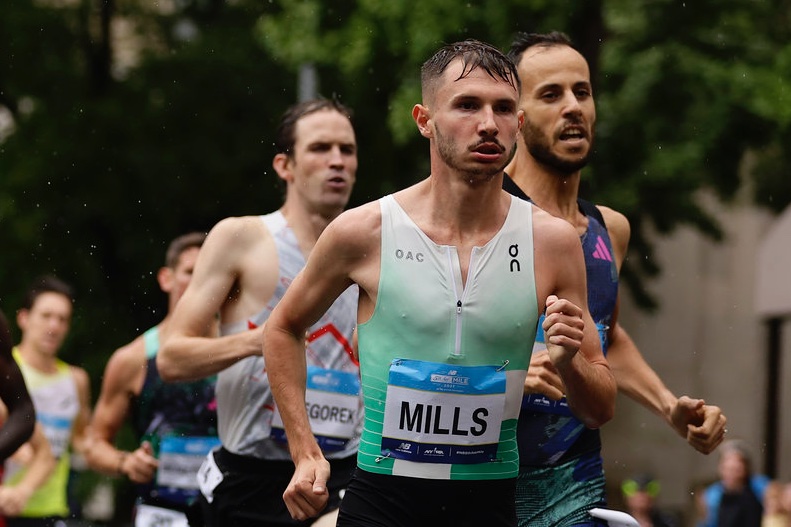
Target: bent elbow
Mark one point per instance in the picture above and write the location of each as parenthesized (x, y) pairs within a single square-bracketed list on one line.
[(24, 414), (29, 422), (166, 367), (599, 418), (600, 414)]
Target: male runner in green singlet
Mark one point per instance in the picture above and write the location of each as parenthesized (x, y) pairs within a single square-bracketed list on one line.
[(452, 274)]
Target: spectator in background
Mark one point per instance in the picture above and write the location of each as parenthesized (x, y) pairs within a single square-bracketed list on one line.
[(698, 494), (785, 498), (736, 499), (775, 514), (640, 494)]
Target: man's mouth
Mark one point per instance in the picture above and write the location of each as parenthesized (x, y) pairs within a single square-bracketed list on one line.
[(572, 133), (337, 182), (489, 149)]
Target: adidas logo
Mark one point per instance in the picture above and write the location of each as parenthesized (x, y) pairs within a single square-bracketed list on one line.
[(601, 252)]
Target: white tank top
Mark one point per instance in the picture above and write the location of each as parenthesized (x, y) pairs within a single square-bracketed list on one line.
[(246, 414)]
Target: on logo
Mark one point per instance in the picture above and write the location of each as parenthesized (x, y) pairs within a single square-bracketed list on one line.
[(513, 252)]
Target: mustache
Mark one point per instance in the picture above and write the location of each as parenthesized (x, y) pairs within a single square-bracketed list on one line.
[(489, 140)]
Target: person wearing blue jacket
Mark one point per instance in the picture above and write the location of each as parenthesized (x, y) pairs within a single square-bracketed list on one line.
[(736, 499)]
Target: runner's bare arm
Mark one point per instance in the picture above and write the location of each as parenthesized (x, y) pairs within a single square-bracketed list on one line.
[(328, 272), (589, 384), (189, 350)]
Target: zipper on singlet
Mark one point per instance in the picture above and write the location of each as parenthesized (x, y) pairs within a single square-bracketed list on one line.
[(457, 351)]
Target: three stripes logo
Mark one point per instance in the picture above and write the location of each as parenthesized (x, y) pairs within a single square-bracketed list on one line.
[(601, 252)]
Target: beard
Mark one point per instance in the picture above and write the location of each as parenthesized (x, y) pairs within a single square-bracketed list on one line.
[(538, 146)]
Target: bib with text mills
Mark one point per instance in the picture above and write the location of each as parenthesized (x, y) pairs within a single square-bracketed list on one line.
[(443, 362)]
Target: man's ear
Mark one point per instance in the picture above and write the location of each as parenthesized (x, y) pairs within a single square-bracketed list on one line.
[(165, 279), (21, 318), (282, 165), (520, 116), (422, 116)]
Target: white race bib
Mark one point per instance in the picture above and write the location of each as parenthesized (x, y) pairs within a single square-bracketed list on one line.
[(209, 476), (332, 400), (180, 458), (441, 413), (150, 516)]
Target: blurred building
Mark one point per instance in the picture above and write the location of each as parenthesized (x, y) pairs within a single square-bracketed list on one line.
[(723, 333)]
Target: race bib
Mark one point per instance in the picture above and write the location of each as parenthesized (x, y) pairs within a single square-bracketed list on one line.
[(209, 477), (150, 516), (180, 458), (57, 430), (440, 413), (332, 400)]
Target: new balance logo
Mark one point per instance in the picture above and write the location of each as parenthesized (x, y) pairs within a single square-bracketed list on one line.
[(601, 252)]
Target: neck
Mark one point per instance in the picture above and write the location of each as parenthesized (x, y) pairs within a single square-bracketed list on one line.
[(460, 211), (552, 191), (36, 359), (307, 225)]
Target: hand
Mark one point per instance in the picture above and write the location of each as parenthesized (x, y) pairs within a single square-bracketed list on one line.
[(140, 465), (307, 494), (542, 377), (702, 425), (563, 329), (13, 500), (254, 339)]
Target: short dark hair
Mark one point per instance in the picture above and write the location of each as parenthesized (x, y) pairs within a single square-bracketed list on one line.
[(523, 41), (473, 54), (46, 284), (181, 244), (285, 137)]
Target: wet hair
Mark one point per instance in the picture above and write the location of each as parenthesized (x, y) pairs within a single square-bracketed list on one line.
[(46, 284), (473, 54), (523, 41), (285, 137), (181, 244)]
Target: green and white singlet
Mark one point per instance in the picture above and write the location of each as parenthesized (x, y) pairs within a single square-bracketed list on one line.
[(443, 363)]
